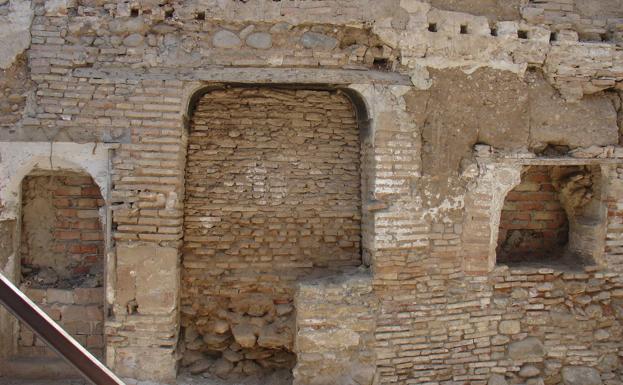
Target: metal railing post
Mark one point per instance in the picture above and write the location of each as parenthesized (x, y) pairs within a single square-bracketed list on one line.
[(56, 338)]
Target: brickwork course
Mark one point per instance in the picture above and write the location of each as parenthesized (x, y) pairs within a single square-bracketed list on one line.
[(334, 192)]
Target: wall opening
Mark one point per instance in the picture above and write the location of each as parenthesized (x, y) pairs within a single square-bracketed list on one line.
[(273, 195), (62, 257), (554, 216)]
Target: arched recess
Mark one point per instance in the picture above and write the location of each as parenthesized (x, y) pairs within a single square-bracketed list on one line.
[(64, 186), (555, 216), (271, 177)]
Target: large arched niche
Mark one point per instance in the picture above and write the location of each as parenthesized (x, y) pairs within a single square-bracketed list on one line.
[(274, 184)]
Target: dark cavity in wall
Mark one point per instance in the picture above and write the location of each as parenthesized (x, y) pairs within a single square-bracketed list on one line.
[(547, 218)]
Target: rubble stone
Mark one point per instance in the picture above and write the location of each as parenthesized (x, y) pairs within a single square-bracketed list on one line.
[(576, 375), (226, 39)]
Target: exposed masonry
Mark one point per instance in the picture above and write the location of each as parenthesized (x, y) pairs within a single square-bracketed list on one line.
[(62, 237), (62, 257), (272, 195), (451, 107), (533, 224)]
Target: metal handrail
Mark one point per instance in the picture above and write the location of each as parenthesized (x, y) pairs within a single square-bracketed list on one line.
[(56, 338)]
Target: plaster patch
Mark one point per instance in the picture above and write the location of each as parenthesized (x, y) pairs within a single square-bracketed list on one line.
[(17, 159), (15, 31)]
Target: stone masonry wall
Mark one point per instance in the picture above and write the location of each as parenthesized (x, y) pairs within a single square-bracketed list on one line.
[(272, 194), (533, 224), (336, 320)]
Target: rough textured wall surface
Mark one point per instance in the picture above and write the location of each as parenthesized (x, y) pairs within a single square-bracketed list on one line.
[(533, 224), (62, 237), (336, 321), (79, 311), (272, 194), (62, 258), (460, 97)]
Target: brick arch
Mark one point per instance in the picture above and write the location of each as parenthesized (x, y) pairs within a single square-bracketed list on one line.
[(21, 161)]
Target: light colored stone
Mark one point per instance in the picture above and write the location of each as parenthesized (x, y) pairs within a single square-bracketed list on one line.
[(15, 31), (510, 327), (126, 26), (220, 326), (601, 335), (529, 349), (270, 337), (244, 335), (528, 371), (284, 309), (56, 7), (580, 375), (259, 40), (316, 40), (497, 379), (226, 39), (133, 40), (329, 339)]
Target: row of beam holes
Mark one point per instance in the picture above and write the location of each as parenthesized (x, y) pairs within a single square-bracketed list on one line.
[(522, 34), (432, 27), (168, 14)]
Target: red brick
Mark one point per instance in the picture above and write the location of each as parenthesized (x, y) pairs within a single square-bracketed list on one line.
[(68, 191), (92, 191), (92, 236), (67, 234)]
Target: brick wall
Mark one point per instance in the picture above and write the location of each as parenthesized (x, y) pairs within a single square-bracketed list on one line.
[(62, 229), (533, 223), (79, 311), (62, 252), (272, 194)]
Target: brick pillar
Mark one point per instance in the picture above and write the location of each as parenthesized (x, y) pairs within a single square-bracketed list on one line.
[(147, 223), (483, 205)]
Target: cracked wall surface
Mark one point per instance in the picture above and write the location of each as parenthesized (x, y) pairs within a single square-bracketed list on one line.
[(452, 98)]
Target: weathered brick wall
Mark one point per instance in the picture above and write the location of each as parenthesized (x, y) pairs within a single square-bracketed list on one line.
[(533, 224), (552, 319), (147, 177), (62, 230), (119, 72), (79, 311), (273, 192), (62, 253)]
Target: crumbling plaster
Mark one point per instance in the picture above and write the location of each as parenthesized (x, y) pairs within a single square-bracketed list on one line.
[(20, 158), (14, 30)]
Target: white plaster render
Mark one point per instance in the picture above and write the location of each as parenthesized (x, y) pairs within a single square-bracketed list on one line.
[(18, 159), (15, 31)]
